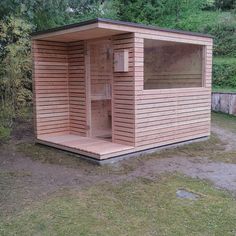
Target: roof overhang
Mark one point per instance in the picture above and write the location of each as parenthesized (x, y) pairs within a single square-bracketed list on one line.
[(98, 28)]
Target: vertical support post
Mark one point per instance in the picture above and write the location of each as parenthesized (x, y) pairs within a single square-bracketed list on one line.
[(88, 89), (204, 66), (33, 46)]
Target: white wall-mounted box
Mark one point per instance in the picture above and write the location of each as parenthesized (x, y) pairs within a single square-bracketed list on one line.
[(121, 61)]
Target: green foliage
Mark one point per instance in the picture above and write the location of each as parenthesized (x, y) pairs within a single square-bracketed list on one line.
[(224, 72), (7, 7), (15, 83), (4, 134), (197, 21), (221, 25), (168, 13), (7, 115), (6, 121), (15, 73), (85, 10), (224, 31), (225, 4), (224, 89), (46, 14), (186, 15), (176, 11)]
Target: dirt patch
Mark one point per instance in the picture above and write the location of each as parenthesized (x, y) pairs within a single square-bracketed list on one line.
[(229, 138), (23, 129), (223, 175)]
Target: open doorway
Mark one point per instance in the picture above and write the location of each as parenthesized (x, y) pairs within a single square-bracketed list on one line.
[(100, 72)]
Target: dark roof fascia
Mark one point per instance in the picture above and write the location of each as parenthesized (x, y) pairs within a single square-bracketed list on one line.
[(116, 22)]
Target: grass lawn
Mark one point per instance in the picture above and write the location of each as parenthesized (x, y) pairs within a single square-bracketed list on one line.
[(140, 207), (224, 90), (225, 121)]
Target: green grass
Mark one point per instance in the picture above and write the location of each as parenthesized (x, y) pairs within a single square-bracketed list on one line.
[(4, 134), (225, 121), (141, 207), (196, 149), (224, 89), (135, 207), (213, 148), (224, 60), (50, 155), (227, 157)]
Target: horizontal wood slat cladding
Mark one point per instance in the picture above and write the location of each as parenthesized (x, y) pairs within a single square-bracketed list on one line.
[(208, 69), (123, 104), (59, 82), (165, 116), (51, 96), (77, 91)]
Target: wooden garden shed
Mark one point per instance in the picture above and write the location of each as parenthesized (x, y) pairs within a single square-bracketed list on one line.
[(105, 88)]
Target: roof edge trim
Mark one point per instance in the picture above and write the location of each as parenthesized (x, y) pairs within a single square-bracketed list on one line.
[(116, 22)]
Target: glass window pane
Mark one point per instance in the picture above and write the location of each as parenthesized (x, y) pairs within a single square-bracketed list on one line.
[(172, 65)]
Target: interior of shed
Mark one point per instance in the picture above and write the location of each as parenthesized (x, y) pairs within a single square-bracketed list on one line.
[(172, 65), (100, 68), (73, 89)]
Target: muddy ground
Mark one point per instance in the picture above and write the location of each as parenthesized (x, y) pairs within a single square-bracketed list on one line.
[(31, 172)]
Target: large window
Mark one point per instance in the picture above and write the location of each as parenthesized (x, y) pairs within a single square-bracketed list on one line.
[(172, 65)]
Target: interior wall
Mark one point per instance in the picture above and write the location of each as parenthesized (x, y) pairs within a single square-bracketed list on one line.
[(51, 103), (172, 65), (77, 87)]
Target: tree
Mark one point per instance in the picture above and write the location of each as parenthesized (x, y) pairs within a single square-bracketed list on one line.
[(225, 4), (15, 73), (166, 13)]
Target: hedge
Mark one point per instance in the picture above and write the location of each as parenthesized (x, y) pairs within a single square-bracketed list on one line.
[(224, 72)]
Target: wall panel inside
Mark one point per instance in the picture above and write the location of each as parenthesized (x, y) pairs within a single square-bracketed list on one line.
[(51, 97), (77, 87)]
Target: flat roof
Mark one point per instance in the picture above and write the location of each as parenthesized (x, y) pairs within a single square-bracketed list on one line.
[(116, 22)]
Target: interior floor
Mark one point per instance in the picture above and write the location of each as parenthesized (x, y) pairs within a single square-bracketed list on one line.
[(93, 147)]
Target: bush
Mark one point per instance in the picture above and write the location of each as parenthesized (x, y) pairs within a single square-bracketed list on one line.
[(221, 25), (224, 32), (15, 72), (4, 133), (224, 72), (225, 5), (7, 118)]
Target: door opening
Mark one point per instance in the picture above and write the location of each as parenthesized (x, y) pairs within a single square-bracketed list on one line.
[(100, 79)]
